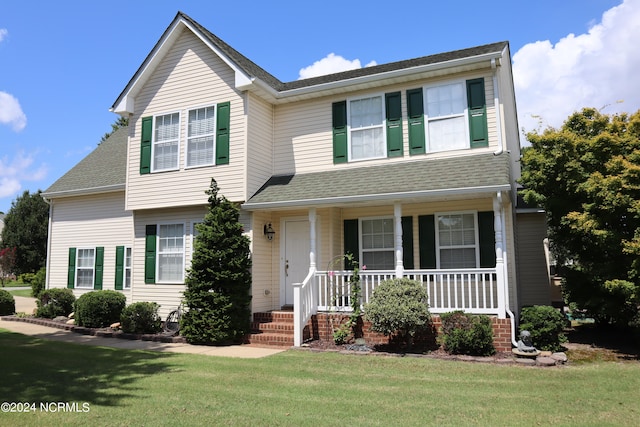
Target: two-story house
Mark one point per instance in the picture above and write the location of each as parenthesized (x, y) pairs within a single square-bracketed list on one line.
[(410, 166)]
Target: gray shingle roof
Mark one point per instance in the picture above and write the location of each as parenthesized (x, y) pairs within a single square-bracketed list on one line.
[(103, 169), (254, 70), (443, 176)]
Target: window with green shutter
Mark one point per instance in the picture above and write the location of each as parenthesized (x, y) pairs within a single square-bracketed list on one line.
[(394, 124), (351, 241), (150, 254), (415, 111), (71, 269), (339, 118), (119, 268), (222, 133), (427, 241), (477, 113), (145, 145)]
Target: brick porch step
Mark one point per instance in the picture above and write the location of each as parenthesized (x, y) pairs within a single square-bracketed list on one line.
[(273, 328)]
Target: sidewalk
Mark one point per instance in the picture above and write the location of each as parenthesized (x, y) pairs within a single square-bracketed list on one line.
[(38, 331)]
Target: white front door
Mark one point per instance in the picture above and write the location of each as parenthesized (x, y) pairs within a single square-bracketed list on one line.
[(295, 259)]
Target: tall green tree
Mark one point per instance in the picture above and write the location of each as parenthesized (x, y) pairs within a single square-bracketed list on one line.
[(25, 228), (119, 123), (586, 175), (218, 283)]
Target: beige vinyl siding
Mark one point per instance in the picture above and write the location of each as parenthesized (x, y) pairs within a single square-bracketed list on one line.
[(168, 296), (264, 283), (190, 76), (259, 143), (88, 222), (532, 266), (303, 140)]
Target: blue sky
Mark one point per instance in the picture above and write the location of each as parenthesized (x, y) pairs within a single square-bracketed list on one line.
[(63, 64)]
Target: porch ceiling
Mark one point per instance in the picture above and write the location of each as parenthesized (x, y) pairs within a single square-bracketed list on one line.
[(460, 176)]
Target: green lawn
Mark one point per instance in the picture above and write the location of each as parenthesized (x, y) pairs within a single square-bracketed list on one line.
[(20, 292), (301, 388)]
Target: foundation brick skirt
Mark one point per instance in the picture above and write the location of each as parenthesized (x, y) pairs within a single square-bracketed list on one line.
[(322, 325)]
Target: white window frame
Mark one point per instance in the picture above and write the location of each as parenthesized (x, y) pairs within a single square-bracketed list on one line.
[(92, 268), (212, 135), (361, 239), (351, 130), (464, 115), (475, 246), (127, 268), (159, 253), (155, 143)]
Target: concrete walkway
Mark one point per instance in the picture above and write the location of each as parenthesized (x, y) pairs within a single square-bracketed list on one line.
[(27, 305)]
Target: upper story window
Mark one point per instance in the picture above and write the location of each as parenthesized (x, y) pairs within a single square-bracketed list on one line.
[(445, 115), (457, 240), (207, 136), (448, 116), (366, 128), (200, 136), (166, 141)]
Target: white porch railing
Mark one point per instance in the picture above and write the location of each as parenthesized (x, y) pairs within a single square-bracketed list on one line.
[(305, 305), (472, 290)]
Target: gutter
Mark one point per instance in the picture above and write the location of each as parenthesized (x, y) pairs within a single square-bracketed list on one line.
[(374, 197), (84, 191)]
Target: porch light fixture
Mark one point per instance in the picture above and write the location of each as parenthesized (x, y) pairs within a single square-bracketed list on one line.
[(269, 232)]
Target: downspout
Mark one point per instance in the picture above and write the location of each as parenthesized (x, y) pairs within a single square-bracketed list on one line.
[(46, 279), (512, 317), (496, 105)]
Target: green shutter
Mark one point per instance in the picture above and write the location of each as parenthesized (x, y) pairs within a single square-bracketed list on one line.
[(351, 238), (477, 113), (394, 124), (222, 133), (71, 272), (339, 110), (427, 236), (487, 237), (415, 111), (98, 268), (119, 267), (150, 254), (407, 242), (145, 145)]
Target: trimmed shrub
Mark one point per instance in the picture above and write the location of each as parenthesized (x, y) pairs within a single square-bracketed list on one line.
[(7, 303), (546, 325), (141, 318), (98, 309), (55, 302), (399, 309), (469, 334), (37, 282)]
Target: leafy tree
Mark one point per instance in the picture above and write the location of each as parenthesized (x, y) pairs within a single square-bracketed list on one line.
[(7, 264), (218, 283), (119, 123), (25, 228), (586, 175)]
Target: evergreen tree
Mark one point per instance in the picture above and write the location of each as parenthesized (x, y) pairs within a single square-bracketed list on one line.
[(219, 280)]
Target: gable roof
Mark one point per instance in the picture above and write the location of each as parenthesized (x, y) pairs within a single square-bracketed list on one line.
[(250, 76), (103, 170), (441, 177)]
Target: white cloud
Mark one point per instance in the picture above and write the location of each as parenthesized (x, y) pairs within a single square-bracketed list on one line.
[(11, 112), (595, 69), (331, 63), (3, 33), (13, 172)]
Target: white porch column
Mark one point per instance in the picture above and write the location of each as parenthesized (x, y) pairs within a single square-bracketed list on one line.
[(397, 217), (312, 239), (500, 275), (313, 250)]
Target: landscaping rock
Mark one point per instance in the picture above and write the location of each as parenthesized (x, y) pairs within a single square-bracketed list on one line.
[(545, 361), (545, 353), (525, 361), (560, 357), (115, 325), (71, 322)]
